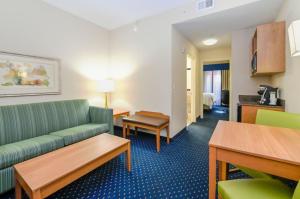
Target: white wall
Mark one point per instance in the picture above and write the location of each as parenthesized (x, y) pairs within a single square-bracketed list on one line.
[(288, 82), (241, 81), (208, 55), (142, 62), (181, 47), (35, 28)]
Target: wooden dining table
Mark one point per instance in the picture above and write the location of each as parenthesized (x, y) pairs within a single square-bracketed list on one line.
[(268, 149)]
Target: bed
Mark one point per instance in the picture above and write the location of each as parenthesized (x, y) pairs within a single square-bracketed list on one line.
[(208, 100)]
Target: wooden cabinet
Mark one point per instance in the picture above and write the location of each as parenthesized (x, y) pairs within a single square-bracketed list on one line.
[(249, 112), (268, 49)]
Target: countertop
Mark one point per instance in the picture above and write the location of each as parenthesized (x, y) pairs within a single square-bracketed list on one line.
[(252, 100)]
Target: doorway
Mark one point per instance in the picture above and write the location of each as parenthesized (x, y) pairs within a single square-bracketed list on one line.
[(190, 67), (216, 81)]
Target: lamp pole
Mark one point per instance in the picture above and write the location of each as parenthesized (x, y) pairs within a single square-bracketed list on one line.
[(106, 100)]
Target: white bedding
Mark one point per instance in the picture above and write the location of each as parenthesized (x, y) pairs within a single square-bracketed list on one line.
[(209, 99)]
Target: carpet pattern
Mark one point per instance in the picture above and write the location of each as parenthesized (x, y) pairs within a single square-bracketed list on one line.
[(180, 170)]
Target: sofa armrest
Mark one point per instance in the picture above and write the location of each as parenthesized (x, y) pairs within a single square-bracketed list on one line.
[(101, 115)]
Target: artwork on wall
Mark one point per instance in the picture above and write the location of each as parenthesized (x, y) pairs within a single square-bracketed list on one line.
[(28, 75)]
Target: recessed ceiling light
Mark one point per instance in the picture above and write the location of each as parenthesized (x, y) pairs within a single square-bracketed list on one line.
[(210, 42)]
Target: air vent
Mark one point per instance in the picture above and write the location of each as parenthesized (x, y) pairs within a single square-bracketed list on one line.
[(205, 4)]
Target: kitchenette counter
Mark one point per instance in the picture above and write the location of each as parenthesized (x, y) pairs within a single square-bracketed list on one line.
[(252, 100), (259, 105), (248, 106)]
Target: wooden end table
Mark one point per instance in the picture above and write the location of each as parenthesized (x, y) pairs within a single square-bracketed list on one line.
[(46, 174), (120, 112), (152, 121)]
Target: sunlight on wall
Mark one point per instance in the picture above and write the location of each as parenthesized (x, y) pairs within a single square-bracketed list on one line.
[(94, 69), (97, 100), (120, 70), (121, 103), (97, 69)]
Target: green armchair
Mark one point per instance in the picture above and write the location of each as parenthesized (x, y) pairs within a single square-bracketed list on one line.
[(256, 189)]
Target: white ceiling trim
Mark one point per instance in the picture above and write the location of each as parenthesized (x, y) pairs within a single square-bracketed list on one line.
[(111, 14)]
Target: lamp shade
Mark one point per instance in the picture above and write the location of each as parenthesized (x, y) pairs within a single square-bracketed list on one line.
[(294, 37), (106, 86)]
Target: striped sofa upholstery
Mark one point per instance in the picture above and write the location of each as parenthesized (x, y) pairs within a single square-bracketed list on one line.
[(30, 130)]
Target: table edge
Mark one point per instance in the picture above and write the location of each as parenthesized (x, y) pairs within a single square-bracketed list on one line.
[(253, 154)]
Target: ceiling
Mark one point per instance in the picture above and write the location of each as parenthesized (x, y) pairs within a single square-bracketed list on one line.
[(112, 14), (221, 24)]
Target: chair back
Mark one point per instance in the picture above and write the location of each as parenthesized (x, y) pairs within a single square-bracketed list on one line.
[(278, 119), (153, 114), (297, 192)]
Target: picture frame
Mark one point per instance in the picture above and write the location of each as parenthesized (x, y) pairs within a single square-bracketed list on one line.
[(27, 75)]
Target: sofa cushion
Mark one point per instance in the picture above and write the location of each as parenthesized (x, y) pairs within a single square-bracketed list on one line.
[(14, 153), (7, 179), (79, 133), (20, 122)]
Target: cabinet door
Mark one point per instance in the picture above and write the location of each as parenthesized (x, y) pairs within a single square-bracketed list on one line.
[(249, 113), (271, 48)]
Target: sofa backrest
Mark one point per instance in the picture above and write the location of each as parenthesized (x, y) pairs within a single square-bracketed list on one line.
[(19, 122)]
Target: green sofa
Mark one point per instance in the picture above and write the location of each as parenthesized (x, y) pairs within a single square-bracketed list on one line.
[(30, 130)]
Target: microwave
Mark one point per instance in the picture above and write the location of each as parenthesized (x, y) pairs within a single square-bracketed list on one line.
[(254, 63)]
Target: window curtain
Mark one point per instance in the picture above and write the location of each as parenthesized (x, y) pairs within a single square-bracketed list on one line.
[(217, 87), (225, 79), (208, 82)]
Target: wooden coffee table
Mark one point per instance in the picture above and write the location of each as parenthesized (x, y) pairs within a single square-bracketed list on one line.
[(46, 174)]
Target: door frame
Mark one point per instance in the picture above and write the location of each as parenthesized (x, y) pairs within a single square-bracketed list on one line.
[(200, 93), (193, 86)]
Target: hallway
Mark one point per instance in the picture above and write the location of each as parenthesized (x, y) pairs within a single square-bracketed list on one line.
[(205, 127)]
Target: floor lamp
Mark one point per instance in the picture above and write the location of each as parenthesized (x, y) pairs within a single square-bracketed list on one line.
[(106, 87)]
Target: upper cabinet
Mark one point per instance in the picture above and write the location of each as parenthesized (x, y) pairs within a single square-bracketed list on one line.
[(268, 49)]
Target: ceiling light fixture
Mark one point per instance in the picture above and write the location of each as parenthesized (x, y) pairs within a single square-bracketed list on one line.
[(210, 42)]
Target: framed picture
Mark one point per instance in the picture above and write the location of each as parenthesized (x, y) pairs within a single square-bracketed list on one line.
[(22, 75)]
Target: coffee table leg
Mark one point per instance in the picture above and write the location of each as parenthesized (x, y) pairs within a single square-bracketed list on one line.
[(18, 190), (128, 156), (124, 130), (158, 140)]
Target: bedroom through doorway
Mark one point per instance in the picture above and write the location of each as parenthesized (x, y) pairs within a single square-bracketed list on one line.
[(216, 89)]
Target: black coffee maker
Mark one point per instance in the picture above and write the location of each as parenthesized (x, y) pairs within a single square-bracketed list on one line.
[(266, 92)]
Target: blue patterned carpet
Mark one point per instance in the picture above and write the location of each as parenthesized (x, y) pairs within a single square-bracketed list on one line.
[(180, 170)]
